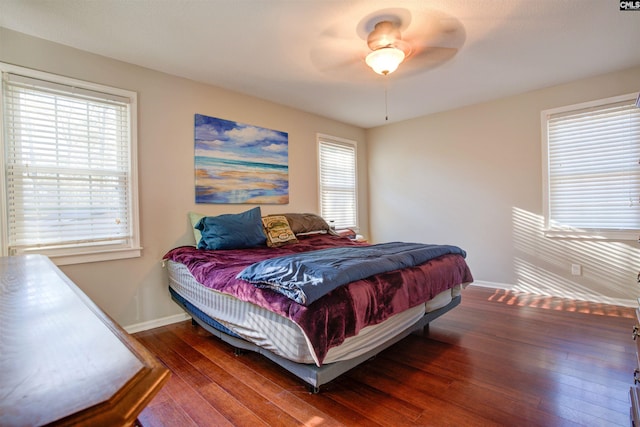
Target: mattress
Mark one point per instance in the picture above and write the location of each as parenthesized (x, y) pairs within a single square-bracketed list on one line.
[(282, 336)]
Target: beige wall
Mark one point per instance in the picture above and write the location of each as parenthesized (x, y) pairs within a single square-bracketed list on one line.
[(134, 291), (473, 177)]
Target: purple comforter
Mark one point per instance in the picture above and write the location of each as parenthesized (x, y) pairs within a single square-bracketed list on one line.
[(343, 312)]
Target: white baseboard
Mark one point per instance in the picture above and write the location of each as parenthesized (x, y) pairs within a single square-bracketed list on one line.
[(601, 299), (156, 323)]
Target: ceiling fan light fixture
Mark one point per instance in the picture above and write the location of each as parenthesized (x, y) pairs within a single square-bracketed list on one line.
[(385, 60)]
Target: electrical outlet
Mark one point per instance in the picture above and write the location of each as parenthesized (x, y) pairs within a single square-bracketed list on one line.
[(576, 270)]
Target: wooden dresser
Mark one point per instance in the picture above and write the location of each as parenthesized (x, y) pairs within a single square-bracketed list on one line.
[(634, 392), (62, 360)]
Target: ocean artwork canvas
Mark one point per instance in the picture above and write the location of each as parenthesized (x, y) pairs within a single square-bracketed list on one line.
[(240, 163)]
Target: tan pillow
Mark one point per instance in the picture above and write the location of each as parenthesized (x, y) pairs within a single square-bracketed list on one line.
[(278, 232), (194, 218)]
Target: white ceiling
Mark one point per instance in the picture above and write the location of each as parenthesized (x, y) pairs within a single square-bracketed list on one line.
[(309, 54)]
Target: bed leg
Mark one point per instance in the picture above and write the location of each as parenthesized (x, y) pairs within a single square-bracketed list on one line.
[(193, 322), (423, 331), (314, 389)]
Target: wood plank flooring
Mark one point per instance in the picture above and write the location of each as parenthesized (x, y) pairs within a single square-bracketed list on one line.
[(501, 358)]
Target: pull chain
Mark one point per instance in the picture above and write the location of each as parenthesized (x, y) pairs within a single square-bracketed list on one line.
[(386, 101)]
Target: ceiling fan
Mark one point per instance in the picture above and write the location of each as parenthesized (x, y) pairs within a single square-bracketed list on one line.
[(388, 49), (418, 40)]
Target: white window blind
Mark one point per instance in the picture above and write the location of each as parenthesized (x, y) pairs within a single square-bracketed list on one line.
[(593, 168), (69, 185), (338, 189)]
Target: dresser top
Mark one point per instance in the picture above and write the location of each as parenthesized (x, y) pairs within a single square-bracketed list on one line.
[(60, 354)]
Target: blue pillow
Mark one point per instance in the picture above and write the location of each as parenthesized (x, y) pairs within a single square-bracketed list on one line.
[(232, 231)]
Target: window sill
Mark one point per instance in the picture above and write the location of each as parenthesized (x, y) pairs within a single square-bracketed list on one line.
[(624, 235), (96, 256)]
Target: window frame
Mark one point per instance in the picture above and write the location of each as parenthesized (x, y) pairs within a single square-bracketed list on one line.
[(79, 253), (328, 139), (565, 231)]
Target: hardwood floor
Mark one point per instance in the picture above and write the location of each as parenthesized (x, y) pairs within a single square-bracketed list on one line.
[(500, 358)]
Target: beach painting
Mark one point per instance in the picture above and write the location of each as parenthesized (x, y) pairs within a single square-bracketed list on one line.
[(239, 163)]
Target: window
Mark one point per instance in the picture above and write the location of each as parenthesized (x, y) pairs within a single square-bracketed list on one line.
[(69, 187), (592, 169), (338, 189)]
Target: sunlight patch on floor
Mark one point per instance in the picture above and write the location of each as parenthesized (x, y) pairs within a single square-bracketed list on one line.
[(522, 298)]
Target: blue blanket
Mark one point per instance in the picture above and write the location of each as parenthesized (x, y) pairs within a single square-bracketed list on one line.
[(307, 276)]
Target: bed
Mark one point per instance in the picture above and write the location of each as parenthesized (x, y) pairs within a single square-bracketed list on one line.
[(322, 328)]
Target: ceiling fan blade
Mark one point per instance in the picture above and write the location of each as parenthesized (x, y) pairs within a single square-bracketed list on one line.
[(435, 38), (435, 29), (426, 59), (337, 51), (338, 67)]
